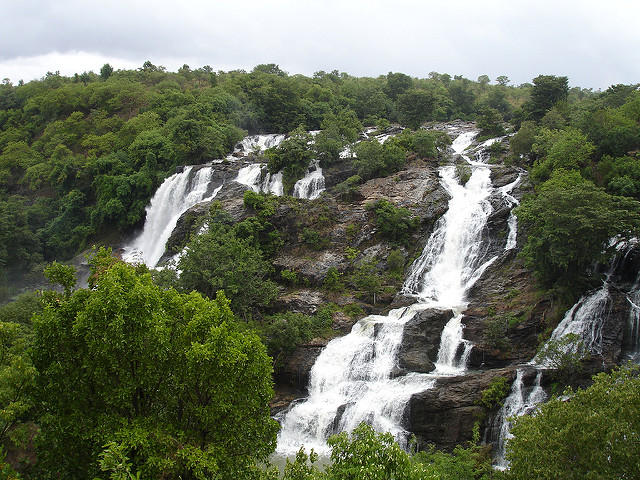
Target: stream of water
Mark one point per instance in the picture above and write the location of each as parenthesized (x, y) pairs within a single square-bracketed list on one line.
[(353, 380)]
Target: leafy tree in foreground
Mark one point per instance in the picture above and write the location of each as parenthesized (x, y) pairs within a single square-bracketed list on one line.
[(165, 379), (594, 434), (569, 224)]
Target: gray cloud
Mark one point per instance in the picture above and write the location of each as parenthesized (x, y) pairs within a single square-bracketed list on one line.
[(594, 43)]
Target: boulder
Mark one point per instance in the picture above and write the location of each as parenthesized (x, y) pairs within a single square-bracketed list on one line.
[(421, 340), (444, 416)]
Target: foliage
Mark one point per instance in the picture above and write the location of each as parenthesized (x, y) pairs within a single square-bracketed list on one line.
[(569, 224), (164, 379), (366, 278), (314, 238), (395, 262), (524, 138), (219, 259), (594, 433), (375, 159), (567, 149), (283, 333), (367, 454), (349, 189), (547, 91), (291, 157), (332, 281), (563, 355), (493, 396), (490, 122), (394, 223)]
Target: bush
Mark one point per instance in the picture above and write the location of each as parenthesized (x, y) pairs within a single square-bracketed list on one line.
[(394, 223)]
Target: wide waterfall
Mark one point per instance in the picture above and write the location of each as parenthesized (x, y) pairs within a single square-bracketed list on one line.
[(176, 195), (353, 379)]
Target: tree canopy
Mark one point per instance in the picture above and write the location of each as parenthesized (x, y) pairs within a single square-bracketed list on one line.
[(166, 378), (587, 434)]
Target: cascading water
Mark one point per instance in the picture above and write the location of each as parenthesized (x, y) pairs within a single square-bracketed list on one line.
[(512, 221), (633, 297), (175, 196), (516, 404), (258, 179), (257, 144), (353, 379), (312, 184)]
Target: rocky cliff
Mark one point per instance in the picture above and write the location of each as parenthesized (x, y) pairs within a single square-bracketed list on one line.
[(507, 316)]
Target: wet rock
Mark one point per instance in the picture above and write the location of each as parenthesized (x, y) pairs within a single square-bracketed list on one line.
[(421, 340), (301, 301), (444, 416), (295, 372)]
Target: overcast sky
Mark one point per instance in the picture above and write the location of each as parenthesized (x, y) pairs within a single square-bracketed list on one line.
[(594, 43)]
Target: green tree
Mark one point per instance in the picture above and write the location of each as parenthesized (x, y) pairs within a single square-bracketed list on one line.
[(490, 122), (547, 91), (394, 223), (415, 107), (219, 260), (292, 157), (106, 71), (569, 224), (593, 434), (375, 159), (166, 377)]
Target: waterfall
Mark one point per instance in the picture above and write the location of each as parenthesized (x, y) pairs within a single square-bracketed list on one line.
[(585, 319), (257, 144), (176, 195), (255, 177), (632, 352), (512, 221), (353, 380), (515, 405), (312, 184)]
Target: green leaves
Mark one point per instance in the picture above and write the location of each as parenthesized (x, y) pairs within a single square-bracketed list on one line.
[(162, 382), (569, 224), (594, 433)]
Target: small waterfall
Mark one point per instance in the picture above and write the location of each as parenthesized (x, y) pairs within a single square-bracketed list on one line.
[(312, 184), (515, 405), (512, 221), (353, 379), (257, 144), (585, 319), (176, 195), (258, 179), (632, 352)]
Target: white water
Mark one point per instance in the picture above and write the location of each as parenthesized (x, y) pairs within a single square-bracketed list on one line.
[(512, 221), (353, 379), (312, 184), (515, 405), (176, 195), (585, 319), (634, 323), (259, 179), (257, 144)]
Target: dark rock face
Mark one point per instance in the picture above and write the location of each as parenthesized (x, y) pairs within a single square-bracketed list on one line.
[(421, 340), (444, 416), (295, 373), (505, 299)]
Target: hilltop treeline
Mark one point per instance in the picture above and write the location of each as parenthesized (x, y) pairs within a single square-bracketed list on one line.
[(81, 156)]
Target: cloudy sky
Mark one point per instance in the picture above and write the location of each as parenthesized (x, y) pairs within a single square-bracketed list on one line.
[(594, 43)]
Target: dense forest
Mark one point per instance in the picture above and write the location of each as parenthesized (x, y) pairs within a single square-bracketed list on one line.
[(80, 159)]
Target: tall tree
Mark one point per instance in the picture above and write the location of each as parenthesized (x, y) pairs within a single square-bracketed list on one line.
[(165, 378), (547, 91)]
